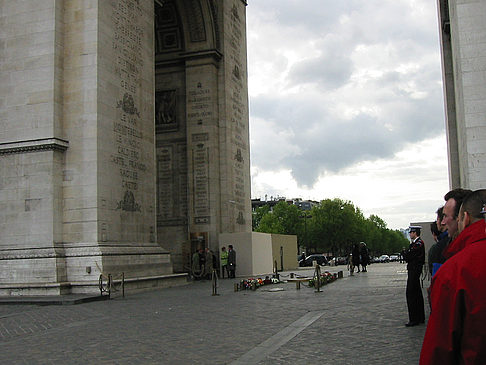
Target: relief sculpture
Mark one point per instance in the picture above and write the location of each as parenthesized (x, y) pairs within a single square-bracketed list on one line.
[(128, 203), (165, 107)]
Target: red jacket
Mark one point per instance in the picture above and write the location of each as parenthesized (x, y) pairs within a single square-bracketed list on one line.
[(456, 330)]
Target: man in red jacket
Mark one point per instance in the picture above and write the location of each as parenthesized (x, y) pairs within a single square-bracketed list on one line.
[(456, 330)]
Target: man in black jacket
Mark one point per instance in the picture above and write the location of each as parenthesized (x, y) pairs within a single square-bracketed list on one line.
[(415, 258), (231, 261)]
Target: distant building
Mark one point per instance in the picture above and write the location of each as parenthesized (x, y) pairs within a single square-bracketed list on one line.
[(301, 204)]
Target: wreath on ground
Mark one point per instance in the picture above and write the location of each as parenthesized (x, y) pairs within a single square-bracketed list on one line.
[(325, 278), (253, 284)]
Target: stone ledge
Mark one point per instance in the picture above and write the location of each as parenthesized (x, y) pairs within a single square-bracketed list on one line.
[(88, 288), (33, 145)]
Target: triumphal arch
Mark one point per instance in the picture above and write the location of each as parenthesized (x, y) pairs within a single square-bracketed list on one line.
[(124, 139)]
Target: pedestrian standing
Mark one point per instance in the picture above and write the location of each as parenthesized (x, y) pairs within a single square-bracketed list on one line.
[(350, 264), (224, 262), (355, 256), (415, 258), (456, 331), (364, 256), (208, 270), (231, 261), (196, 265)]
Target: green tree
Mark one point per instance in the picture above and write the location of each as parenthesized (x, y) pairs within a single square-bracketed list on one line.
[(258, 214), (270, 224), (284, 219), (335, 225), (331, 226)]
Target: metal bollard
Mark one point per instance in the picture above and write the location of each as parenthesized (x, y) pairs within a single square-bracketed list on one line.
[(123, 284), (214, 279), (237, 287), (318, 278)]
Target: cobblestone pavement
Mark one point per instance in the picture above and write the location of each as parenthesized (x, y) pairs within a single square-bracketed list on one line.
[(355, 320)]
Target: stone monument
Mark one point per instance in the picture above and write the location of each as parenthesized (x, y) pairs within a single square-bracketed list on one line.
[(123, 141), (463, 45)]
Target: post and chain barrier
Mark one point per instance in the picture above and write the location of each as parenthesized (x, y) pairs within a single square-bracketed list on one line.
[(214, 280), (275, 270), (107, 284), (317, 278)]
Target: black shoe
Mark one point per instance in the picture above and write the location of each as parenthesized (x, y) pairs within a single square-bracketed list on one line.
[(411, 324)]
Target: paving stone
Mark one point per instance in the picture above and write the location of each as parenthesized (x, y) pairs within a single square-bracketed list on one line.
[(362, 321)]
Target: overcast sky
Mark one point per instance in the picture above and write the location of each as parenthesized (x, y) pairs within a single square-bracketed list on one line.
[(346, 102)]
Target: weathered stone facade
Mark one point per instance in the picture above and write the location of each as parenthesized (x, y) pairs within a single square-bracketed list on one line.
[(124, 134), (203, 167), (463, 39)]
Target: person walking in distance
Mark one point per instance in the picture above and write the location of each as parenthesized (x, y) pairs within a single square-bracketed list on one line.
[(231, 261), (415, 258)]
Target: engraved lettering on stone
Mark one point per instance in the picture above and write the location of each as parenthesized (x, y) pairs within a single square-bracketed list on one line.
[(200, 137), (127, 155), (165, 183), (237, 108), (201, 181), (199, 105)]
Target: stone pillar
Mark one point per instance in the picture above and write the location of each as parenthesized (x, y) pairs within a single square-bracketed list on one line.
[(463, 35), (78, 146), (218, 132), (32, 146), (235, 138)]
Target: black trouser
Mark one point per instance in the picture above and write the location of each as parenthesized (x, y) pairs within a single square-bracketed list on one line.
[(223, 269), (231, 270), (415, 300)]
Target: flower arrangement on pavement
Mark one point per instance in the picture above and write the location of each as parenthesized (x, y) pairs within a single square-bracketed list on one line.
[(325, 278), (252, 283)]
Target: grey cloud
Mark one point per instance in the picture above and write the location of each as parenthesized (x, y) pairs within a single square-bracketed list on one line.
[(310, 140), (329, 71), (330, 145)]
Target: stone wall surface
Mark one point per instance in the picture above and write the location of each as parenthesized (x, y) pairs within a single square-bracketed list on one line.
[(77, 147), (463, 34), (203, 173), (31, 140), (124, 129)]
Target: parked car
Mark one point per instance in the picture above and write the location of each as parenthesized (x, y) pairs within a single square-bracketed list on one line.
[(394, 258), (341, 261), (384, 258), (320, 259)]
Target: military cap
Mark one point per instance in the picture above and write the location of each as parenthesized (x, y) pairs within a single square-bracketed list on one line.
[(414, 229)]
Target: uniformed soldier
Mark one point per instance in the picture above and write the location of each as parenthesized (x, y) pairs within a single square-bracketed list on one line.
[(415, 258)]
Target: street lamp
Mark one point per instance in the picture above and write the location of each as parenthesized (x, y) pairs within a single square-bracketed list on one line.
[(305, 216)]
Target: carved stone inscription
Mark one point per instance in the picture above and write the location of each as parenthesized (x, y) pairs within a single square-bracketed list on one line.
[(200, 112), (172, 185), (200, 156), (237, 112), (127, 127), (165, 185), (199, 105)]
